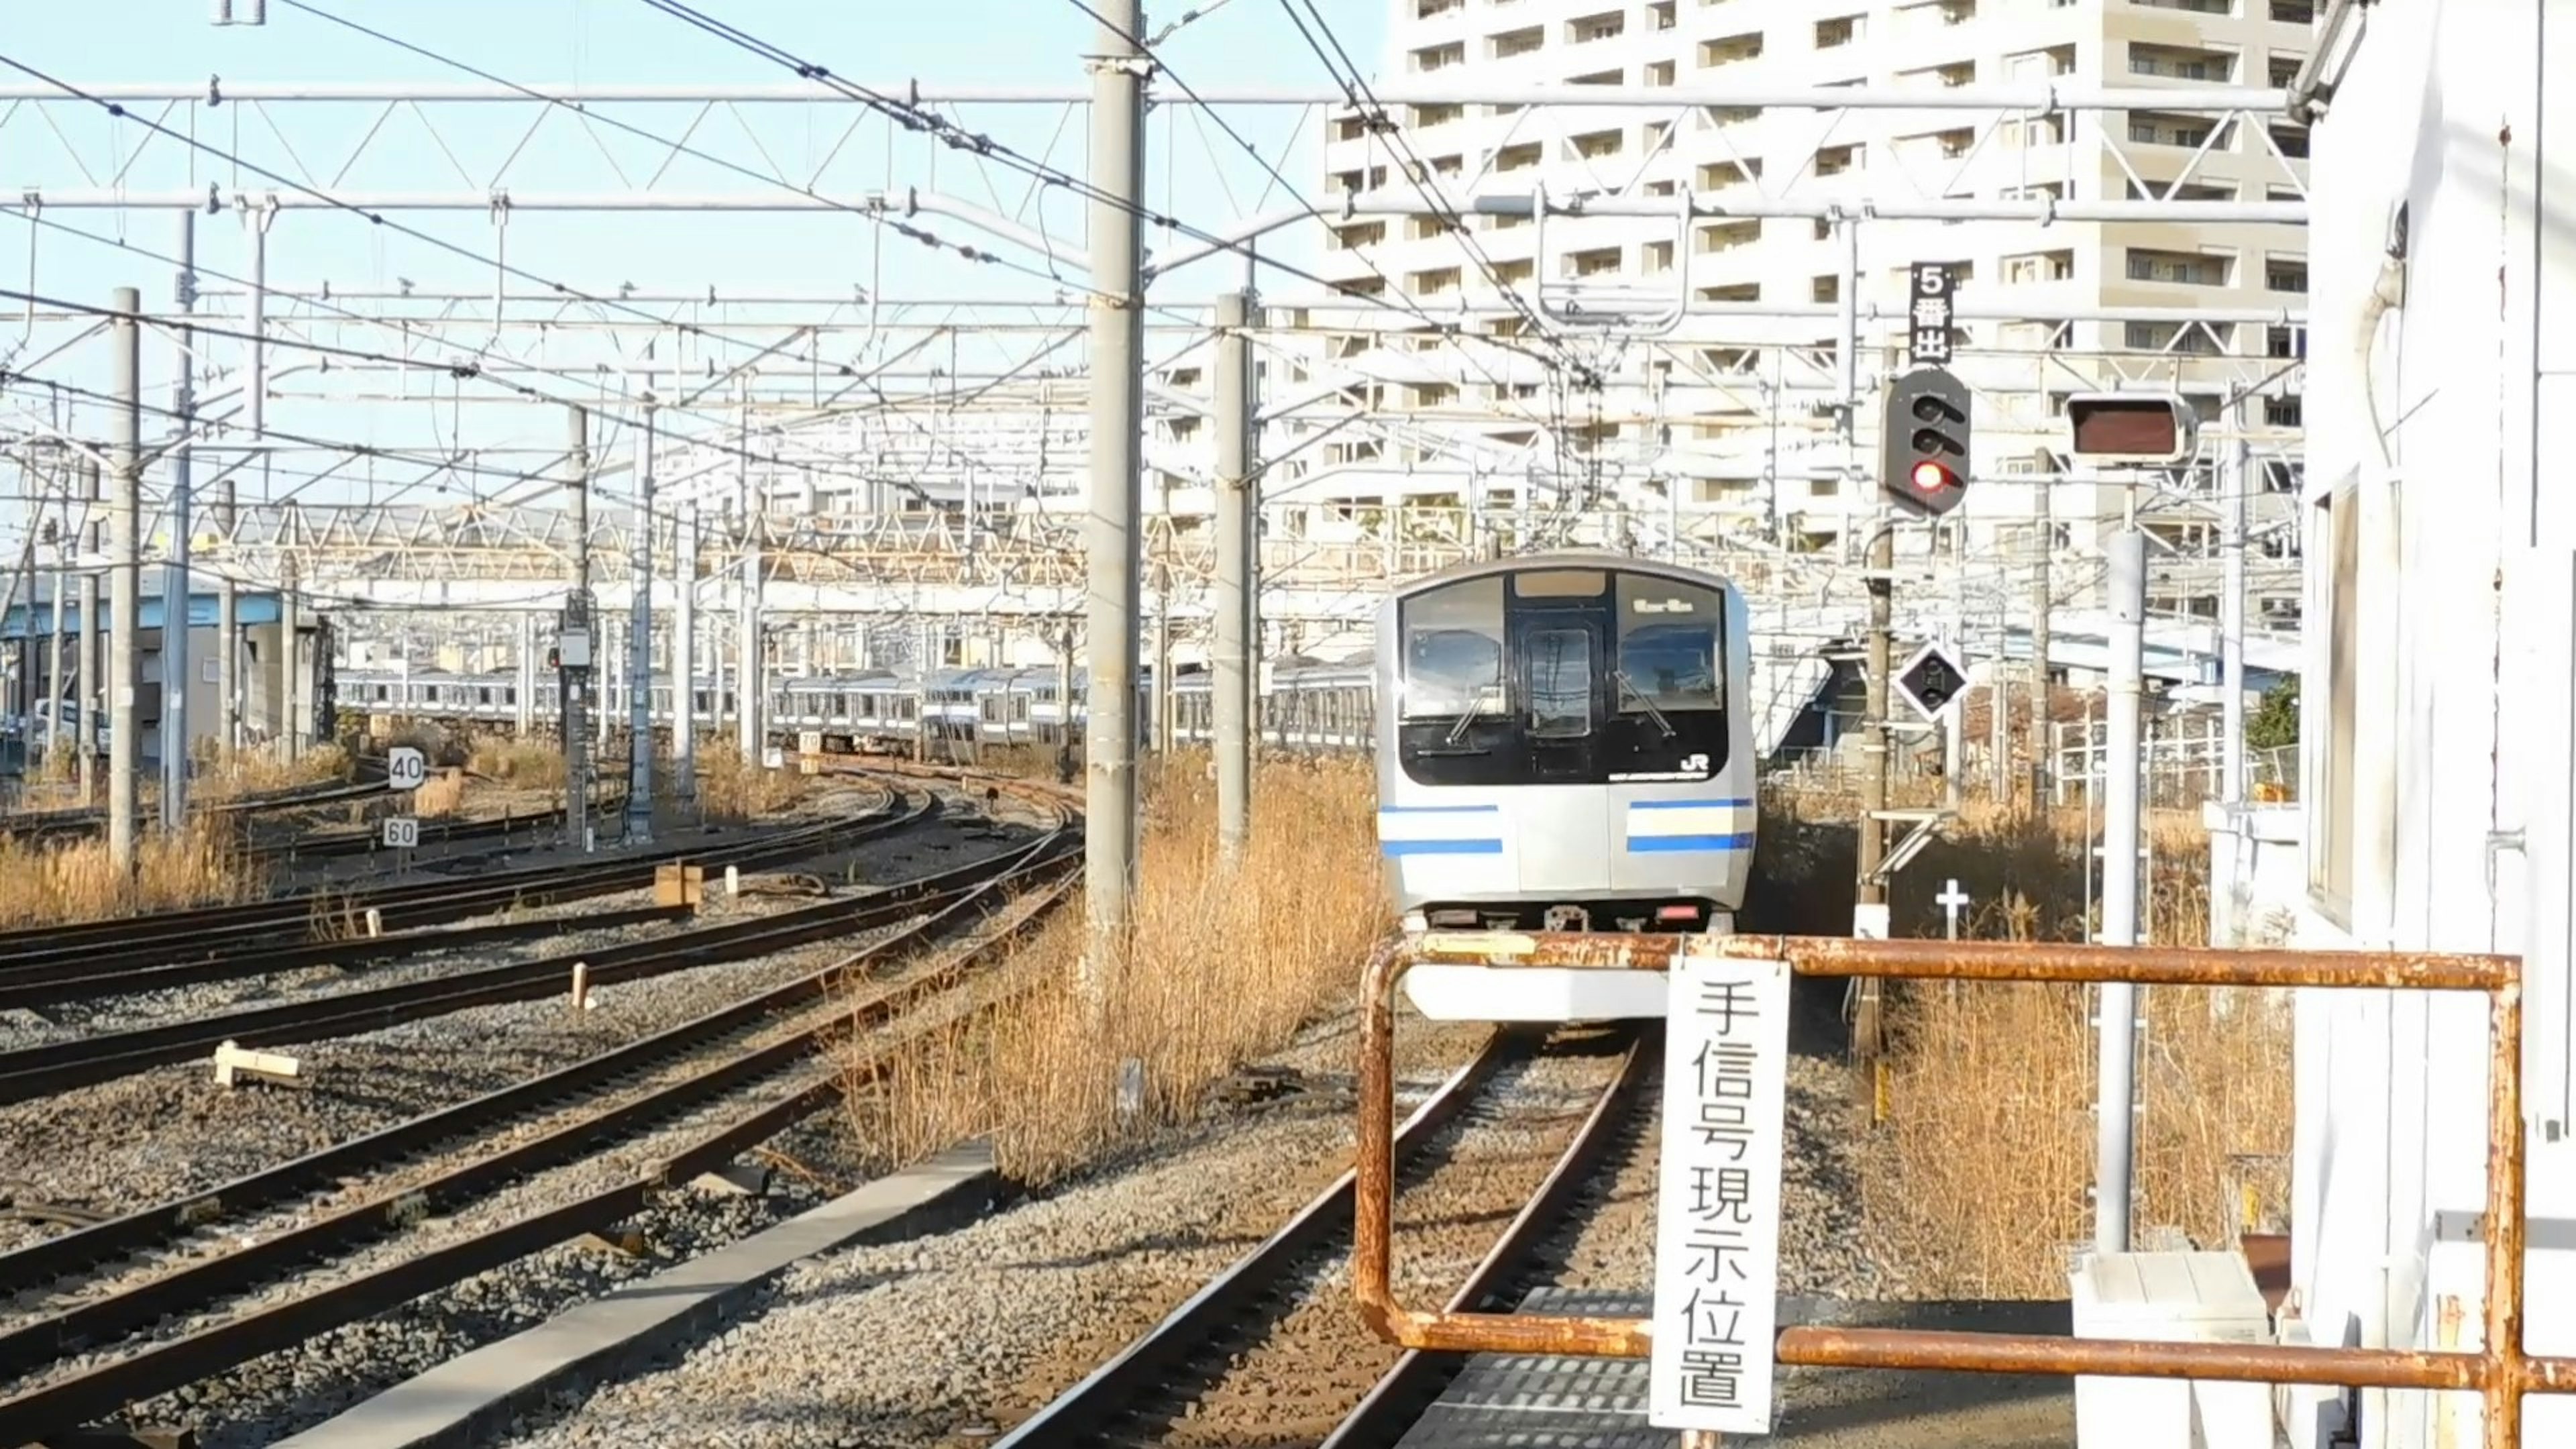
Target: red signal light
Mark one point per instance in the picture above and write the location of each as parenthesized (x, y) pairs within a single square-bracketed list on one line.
[(1930, 476)]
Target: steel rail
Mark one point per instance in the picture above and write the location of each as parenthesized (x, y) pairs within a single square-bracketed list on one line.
[(1400, 1394), (67, 824), (41, 1070), (60, 982), (152, 939), (57, 1257), (1107, 1394), (161, 1368)]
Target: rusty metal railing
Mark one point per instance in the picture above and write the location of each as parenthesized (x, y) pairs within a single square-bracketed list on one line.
[(2499, 1371)]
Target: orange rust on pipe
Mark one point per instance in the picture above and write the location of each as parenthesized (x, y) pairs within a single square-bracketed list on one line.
[(2502, 1342), (2015, 1353), (1546, 1333), (1373, 1173), (2146, 965), (1583, 950)]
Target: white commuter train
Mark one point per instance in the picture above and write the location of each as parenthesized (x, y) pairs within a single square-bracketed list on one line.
[(1564, 747)]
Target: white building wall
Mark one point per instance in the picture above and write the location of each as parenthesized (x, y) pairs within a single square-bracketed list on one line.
[(2410, 843)]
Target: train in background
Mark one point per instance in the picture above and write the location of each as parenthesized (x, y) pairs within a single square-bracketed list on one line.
[(1568, 746), (1305, 704)]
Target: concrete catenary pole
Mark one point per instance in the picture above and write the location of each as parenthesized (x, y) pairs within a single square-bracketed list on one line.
[(2041, 623), (1111, 821), (1869, 909), (639, 642), (2119, 999), (751, 672), (579, 635), (125, 574), (178, 671), (1237, 507), (85, 659), (228, 681), (684, 660), (2233, 484)]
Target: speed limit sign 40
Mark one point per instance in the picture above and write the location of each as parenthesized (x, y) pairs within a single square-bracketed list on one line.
[(406, 768)]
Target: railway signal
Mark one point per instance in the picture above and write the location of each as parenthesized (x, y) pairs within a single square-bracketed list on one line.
[(2131, 427), (1930, 681), (1924, 433)]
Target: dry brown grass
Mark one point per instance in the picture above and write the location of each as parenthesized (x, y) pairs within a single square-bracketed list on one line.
[(1224, 969), (442, 794), (1980, 1171), (232, 774), (735, 790), (529, 764), (59, 884)]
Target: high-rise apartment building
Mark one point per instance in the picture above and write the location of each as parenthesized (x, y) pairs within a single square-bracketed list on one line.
[(1723, 414)]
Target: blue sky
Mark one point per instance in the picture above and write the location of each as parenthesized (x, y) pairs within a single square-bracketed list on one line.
[(1203, 175)]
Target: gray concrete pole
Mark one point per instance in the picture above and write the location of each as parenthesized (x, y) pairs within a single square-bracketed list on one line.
[(579, 623), (751, 671), (178, 669), (290, 653), (2119, 999), (684, 661), (1237, 505), (85, 664), (2040, 627), (639, 643), (125, 575), (2234, 483), (527, 705), (1111, 820)]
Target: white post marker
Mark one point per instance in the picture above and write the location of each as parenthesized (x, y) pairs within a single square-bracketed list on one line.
[(406, 768), (1717, 1223), (1952, 900)]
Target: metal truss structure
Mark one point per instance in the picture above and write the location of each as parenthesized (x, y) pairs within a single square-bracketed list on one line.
[(389, 445)]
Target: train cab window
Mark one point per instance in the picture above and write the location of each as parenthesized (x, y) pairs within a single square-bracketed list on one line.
[(1453, 651), (1668, 647)]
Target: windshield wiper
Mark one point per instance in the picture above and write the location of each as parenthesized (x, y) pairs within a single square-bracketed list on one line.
[(1652, 713), (1468, 715)]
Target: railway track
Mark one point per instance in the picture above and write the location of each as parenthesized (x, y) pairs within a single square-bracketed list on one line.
[(140, 953), (357, 1195), (42, 1070), (1277, 1334), (50, 825)]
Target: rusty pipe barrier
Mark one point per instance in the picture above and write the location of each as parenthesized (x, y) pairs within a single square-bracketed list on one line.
[(2499, 1371)]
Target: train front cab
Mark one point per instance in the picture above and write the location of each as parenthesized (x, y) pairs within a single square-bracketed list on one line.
[(1559, 751)]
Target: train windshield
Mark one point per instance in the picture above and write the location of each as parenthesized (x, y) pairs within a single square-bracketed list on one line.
[(1563, 676), (1668, 647), (1453, 651)]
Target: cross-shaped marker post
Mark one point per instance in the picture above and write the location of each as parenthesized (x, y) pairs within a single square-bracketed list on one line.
[(1950, 900)]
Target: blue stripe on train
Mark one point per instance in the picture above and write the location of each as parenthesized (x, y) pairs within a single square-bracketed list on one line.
[(1690, 804), (1442, 847), (1642, 844)]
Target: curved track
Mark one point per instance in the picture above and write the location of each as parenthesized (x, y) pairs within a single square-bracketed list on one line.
[(758, 1038)]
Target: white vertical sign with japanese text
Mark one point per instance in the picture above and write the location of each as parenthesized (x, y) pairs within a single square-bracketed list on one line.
[(1717, 1221)]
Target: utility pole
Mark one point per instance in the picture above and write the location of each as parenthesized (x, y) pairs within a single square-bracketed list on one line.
[(1237, 508), (91, 692), (125, 575), (573, 639), (639, 642), (1111, 821), (684, 661), (2235, 482), (2119, 999), (177, 670), (1869, 911), (751, 671), (228, 681), (2042, 763)]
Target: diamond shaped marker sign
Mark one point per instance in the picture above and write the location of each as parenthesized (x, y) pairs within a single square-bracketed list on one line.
[(1930, 681)]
